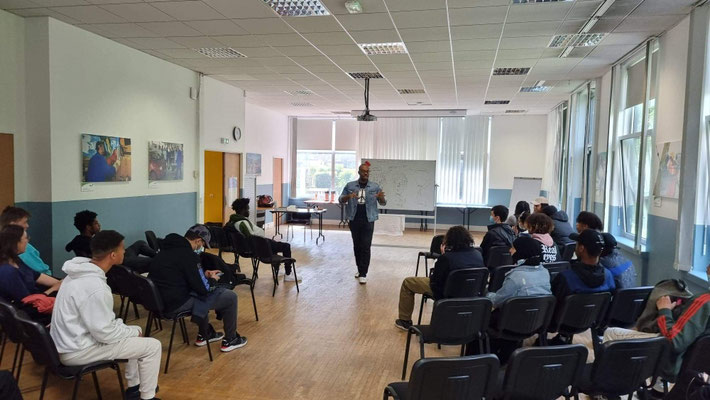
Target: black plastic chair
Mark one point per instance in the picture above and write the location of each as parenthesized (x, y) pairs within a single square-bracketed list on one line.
[(498, 277), (556, 267), (579, 312), (37, 341), (544, 373), (461, 378), (152, 240), (12, 330), (568, 251), (119, 280), (433, 253), (262, 251), (466, 282), (150, 299), (499, 255), (521, 317), (627, 306), (623, 367), (218, 240), (242, 248), (453, 322)]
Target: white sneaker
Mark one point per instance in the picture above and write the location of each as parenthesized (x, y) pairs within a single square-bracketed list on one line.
[(290, 278), (362, 279), (357, 276)]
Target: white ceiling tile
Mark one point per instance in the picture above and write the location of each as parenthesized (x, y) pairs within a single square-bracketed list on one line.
[(517, 54), (475, 44), (664, 7), (425, 34), (419, 19), (489, 31), (584, 9), (570, 26), (242, 9), (44, 12), (624, 38), (188, 10), (170, 28), (308, 61), (265, 26), (343, 50), (125, 30), (432, 57), (326, 23), (238, 41), (477, 15), (408, 5), (283, 39), (154, 43), (260, 52), (274, 61), (477, 3), (58, 3), (656, 24), (180, 53), (402, 67), (525, 43), (424, 66), (138, 12), (337, 7), (433, 46), (298, 51), (330, 38), (361, 59), (88, 14), (476, 55), (366, 22), (195, 42), (524, 29), (218, 27), (611, 53), (472, 64), (390, 58), (13, 4), (554, 11), (100, 2), (378, 36)]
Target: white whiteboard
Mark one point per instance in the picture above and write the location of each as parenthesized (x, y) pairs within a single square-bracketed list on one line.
[(525, 189), (408, 184)]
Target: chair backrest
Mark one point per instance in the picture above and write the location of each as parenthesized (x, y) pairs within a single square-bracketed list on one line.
[(241, 245), (499, 255), (579, 312), (522, 317), (36, 339), (262, 248), (467, 282), (627, 306), (556, 267), (623, 366), (696, 357), (460, 378), (218, 239), (498, 277), (121, 281), (460, 320), (568, 251), (152, 240), (8, 321), (543, 373), (147, 294), (435, 246)]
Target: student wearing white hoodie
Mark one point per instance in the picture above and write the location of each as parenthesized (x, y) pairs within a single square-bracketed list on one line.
[(85, 329)]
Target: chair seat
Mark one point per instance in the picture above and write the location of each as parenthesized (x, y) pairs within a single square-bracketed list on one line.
[(429, 254), (277, 259), (401, 389), (70, 372), (428, 335), (173, 315)]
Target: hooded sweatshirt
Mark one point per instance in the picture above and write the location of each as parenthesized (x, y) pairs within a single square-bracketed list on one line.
[(582, 278), (83, 312), (245, 226), (562, 226), (550, 252), (80, 245), (497, 235)]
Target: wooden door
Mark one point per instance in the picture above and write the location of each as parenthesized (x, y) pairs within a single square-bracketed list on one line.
[(278, 180), (231, 183), (213, 186), (7, 171)]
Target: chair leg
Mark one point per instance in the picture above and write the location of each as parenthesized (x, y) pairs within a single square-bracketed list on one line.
[(77, 381), (44, 383), (149, 324), (170, 346), (463, 350), (96, 385), (17, 355), (19, 366), (135, 311), (120, 309), (406, 354), (426, 266), (209, 350), (253, 301), (421, 348), (183, 331), (120, 380), (2, 349), (275, 275), (293, 267), (421, 310), (416, 271)]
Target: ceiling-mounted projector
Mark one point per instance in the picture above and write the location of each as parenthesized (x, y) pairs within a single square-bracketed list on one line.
[(366, 116)]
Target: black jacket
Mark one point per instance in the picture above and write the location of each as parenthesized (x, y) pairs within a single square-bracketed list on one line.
[(175, 272), (80, 245), (497, 235), (562, 229), (450, 261)]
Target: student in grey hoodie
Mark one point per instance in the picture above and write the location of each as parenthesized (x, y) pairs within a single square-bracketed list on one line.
[(85, 329), (539, 227)]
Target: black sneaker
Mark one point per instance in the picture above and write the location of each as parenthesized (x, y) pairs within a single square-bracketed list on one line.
[(214, 337), (402, 324), (237, 342)]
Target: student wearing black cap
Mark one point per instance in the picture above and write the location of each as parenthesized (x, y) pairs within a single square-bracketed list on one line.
[(586, 274), (529, 278), (620, 267)]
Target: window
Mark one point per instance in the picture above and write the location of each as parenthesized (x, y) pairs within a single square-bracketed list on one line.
[(631, 145)]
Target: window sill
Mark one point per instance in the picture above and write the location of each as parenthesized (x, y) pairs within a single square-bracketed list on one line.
[(628, 245)]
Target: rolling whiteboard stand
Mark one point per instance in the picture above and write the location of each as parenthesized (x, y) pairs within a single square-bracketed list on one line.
[(250, 193), (526, 189)]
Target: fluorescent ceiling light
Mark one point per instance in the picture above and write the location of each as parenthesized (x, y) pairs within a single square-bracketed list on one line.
[(535, 89), (298, 8), (353, 6), (383, 48), (576, 40), (363, 75), (411, 91), (298, 92), (497, 102), (515, 111), (297, 104), (511, 71), (219, 52)]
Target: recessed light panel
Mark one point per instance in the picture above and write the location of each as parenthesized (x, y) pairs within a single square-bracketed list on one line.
[(219, 52), (373, 49), (300, 104), (363, 75), (577, 40), (511, 71), (298, 8), (535, 89), (300, 92), (515, 111), (411, 91), (493, 102)]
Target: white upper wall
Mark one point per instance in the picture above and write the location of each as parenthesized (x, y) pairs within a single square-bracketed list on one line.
[(102, 87), (517, 149), (267, 134), (222, 109)]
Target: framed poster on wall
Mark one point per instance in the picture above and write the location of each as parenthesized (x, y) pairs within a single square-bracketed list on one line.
[(105, 158), (253, 164), (165, 161)]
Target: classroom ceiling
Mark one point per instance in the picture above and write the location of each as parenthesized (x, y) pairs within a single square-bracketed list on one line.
[(300, 65)]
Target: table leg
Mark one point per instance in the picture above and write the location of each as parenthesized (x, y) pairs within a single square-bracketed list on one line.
[(277, 215), (320, 228)]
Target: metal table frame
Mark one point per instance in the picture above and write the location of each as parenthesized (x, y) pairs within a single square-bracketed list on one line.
[(282, 210)]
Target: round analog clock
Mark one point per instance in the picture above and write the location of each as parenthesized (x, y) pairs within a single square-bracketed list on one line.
[(236, 133)]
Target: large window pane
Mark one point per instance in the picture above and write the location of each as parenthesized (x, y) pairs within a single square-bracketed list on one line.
[(345, 170), (313, 173), (630, 151)]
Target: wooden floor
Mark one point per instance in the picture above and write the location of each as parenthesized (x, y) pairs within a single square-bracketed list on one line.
[(334, 340)]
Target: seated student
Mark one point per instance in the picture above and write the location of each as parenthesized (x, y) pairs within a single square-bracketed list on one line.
[(620, 267), (529, 278), (589, 220), (521, 228), (18, 216), (88, 225), (585, 275), (17, 280), (520, 207), (457, 252), (240, 221), (185, 286), (539, 204), (562, 227), (539, 227), (499, 234), (85, 329)]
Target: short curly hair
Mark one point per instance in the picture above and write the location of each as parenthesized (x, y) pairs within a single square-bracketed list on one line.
[(84, 218), (539, 223), (458, 238)]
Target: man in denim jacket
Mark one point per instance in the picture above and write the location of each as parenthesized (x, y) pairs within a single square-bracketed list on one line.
[(360, 199)]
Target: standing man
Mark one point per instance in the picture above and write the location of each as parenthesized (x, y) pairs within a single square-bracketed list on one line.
[(360, 200)]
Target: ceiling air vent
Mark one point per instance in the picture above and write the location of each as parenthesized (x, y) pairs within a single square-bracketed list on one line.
[(299, 104), (363, 75), (411, 91), (497, 102), (511, 71), (298, 8), (298, 92), (535, 89), (375, 49), (219, 52), (576, 40), (515, 111)]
